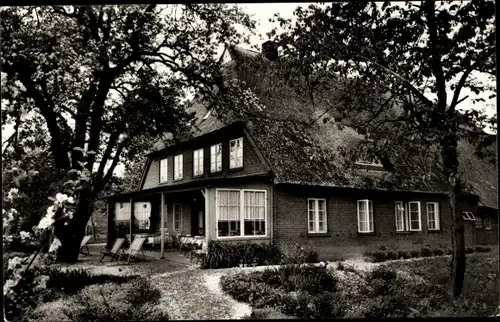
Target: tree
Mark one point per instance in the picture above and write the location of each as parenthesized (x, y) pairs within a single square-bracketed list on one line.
[(105, 78), (413, 55)]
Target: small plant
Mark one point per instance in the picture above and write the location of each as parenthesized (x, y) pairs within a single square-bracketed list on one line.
[(438, 252), (402, 254), (426, 251), (340, 266), (383, 248), (392, 255), (379, 256), (449, 251), (469, 250), (482, 249), (415, 253)]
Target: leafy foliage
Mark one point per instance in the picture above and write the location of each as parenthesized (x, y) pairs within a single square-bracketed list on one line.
[(224, 255)]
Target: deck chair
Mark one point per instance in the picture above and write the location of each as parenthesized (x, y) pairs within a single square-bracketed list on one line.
[(135, 248), (114, 252), (83, 245)]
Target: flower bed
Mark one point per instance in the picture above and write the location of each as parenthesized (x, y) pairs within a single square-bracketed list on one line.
[(392, 289)]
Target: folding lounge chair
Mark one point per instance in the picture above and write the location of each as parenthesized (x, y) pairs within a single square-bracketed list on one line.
[(135, 248), (83, 245), (114, 252)]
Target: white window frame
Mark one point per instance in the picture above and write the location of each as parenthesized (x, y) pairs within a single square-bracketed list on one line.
[(242, 216), (436, 216), (371, 224), (316, 216), (178, 164), (403, 218), (232, 157), (198, 162), (164, 174), (215, 159), (419, 216), (468, 216), (487, 222), (174, 219)]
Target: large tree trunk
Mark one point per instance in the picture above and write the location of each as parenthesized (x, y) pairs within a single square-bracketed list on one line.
[(450, 162), (71, 235)]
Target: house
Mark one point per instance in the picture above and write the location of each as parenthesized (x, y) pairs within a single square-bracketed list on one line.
[(281, 182)]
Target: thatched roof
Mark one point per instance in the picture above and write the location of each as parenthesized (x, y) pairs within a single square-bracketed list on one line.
[(311, 154)]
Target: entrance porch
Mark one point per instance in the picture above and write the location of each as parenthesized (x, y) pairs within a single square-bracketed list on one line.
[(162, 216)]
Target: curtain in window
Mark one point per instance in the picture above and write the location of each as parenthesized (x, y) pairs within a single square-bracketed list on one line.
[(365, 216), (255, 213), (228, 220), (122, 211), (414, 209), (400, 215), (142, 212)]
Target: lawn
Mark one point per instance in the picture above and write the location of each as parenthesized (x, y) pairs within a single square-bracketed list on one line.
[(401, 288)]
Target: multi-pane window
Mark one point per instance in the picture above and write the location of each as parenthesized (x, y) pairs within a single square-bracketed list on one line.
[(487, 222), (236, 153), (198, 162), (254, 213), (468, 215), (316, 209), (178, 167), (122, 211), (365, 216), (241, 213), (414, 215), (142, 212), (432, 216), (400, 216), (228, 213), (164, 170), (177, 216), (479, 222), (216, 158)]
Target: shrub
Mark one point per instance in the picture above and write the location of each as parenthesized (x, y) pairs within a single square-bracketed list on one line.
[(267, 313), (449, 251), (340, 266), (403, 254), (136, 300), (379, 256), (482, 249), (392, 255), (438, 252), (223, 255), (426, 251), (383, 248), (415, 253), (301, 255), (469, 250)]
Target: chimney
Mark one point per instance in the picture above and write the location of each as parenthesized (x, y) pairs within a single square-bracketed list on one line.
[(270, 50)]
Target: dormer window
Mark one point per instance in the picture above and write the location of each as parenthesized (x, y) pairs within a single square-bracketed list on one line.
[(216, 158), (178, 167), (163, 170), (236, 153)]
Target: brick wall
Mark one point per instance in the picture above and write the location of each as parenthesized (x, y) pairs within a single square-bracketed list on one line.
[(343, 239), (251, 162)]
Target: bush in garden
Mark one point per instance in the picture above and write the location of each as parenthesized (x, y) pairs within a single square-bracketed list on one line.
[(224, 255), (266, 314), (426, 251), (438, 252), (392, 255), (449, 251), (383, 248), (415, 253), (301, 255), (340, 266), (379, 256), (403, 254), (482, 249), (136, 300), (469, 250)]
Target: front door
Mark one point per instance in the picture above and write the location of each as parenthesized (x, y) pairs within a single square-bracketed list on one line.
[(198, 216)]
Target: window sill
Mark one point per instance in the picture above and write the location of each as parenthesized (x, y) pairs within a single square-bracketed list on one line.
[(407, 232), (235, 169), (318, 235), (372, 233), (215, 173), (177, 180), (433, 231), (164, 182), (242, 237), (197, 176)]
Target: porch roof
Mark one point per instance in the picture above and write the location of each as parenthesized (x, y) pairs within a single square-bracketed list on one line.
[(180, 187)]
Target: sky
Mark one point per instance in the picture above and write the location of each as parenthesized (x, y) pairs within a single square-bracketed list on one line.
[(261, 13)]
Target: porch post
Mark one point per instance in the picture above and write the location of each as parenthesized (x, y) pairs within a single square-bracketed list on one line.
[(131, 219), (207, 222), (162, 225)]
